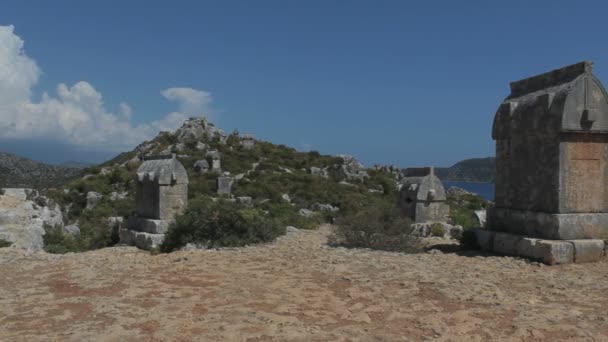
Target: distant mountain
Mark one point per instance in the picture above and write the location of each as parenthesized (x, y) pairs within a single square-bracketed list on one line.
[(17, 171), (469, 170), (75, 164)]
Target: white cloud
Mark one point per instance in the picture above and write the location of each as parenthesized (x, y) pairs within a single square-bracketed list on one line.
[(125, 110), (190, 101), (76, 114)]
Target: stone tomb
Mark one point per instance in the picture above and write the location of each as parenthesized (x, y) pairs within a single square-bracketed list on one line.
[(551, 137), (161, 193), (248, 141), (421, 196)]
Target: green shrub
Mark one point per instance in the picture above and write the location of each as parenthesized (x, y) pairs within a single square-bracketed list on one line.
[(380, 226), (437, 230), (4, 243), (220, 224)]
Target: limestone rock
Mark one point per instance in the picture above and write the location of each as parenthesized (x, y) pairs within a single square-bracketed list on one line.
[(321, 172), (195, 129), (22, 221), (324, 207), (244, 200), (201, 166), (72, 229), (351, 169), (306, 213), (93, 199)]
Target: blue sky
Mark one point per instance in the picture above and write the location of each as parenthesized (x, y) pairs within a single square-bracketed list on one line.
[(391, 82)]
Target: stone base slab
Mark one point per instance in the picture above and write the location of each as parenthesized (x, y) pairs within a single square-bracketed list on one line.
[(146, 225), (550, 252), (141, 240), (550, 226)]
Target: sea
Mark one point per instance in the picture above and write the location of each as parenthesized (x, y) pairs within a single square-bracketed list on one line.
[(485, 190)]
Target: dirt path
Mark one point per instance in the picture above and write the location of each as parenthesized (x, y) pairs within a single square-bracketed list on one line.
[(297, 289)]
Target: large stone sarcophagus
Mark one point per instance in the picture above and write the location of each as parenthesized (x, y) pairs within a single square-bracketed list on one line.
[(551, 137)]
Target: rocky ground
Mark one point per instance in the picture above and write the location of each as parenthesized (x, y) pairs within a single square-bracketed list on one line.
[(297, 289)]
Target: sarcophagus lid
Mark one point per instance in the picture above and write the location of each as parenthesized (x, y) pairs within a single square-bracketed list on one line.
[(570, 99)]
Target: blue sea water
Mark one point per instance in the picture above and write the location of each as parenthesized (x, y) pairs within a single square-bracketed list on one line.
[(485, 190)]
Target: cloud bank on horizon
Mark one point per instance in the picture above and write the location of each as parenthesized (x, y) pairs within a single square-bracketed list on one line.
[(76, 115)]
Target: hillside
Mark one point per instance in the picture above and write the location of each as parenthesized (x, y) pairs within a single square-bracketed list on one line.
[(469, 170), (301, 189), (17, 171)]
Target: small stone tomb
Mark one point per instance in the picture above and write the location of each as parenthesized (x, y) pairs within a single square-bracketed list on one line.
[(247, 141), (161, 193), (421, 196)]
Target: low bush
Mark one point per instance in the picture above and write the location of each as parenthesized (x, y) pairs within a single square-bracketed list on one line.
[(4, 243), (437, 230), (220, 224), (378, 225)]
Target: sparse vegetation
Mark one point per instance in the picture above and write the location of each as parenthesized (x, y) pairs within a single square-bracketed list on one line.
[(377, 225), (221, 224), (462, 209), (4, 243), (437, 230)]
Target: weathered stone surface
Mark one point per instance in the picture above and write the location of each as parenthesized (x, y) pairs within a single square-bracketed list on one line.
[(244, 200), (118, 195), (551, 156), (548, 225), (317, 171), (22, 221), (485, 238), (72, 229), (141, 240), (213, 158), (248, 141), (195, 129), (201, 166), (161, 188), (351, 169), (588, 250), (437, 229), (481, 217), (161, 193), (324, 207), (504, 243), (93, 199), (421, 196), (306, 212), (146, 225), (224, 185), (550, 252)]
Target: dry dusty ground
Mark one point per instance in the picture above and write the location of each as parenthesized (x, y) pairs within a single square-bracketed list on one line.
[(297, 289)]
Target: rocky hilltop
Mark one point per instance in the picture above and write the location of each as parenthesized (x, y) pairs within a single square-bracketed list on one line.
[(17, 172)]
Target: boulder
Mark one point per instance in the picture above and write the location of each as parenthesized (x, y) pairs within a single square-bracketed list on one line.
[(23, 222), (324, 207), (93, 199), (306, 213), (351, 169), (72, 229)]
